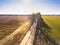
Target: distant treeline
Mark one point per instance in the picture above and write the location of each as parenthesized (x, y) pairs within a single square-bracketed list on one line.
[(14, 15), (26, 15), (50, 15)]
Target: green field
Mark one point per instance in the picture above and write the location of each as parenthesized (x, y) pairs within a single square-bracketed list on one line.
[(54, 23)]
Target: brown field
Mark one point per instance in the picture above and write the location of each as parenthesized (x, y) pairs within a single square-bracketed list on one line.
[(8, 24)]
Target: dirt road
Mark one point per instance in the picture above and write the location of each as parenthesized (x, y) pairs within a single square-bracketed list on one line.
[(28, 39)]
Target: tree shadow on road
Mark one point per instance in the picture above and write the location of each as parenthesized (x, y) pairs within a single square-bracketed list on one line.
[(43, 29)]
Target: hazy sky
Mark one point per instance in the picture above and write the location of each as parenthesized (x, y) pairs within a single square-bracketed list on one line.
[(29, 6)]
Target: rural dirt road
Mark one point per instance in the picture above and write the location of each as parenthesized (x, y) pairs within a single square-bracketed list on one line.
[(28, 39)]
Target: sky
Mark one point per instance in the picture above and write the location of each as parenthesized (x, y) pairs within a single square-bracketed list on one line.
[(29, 6)]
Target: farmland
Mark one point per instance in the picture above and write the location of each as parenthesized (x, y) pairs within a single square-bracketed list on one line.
[(8, 24), (54, 23), (47, 30)]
